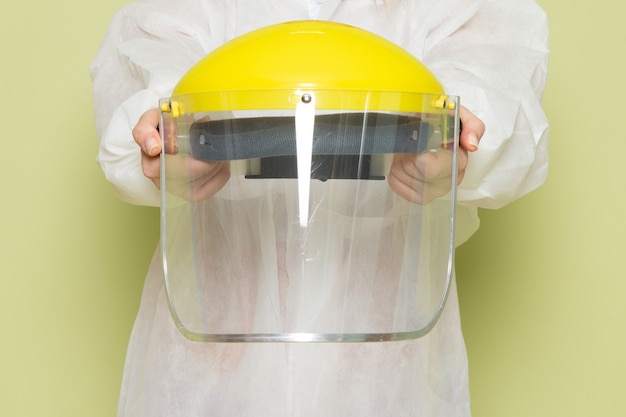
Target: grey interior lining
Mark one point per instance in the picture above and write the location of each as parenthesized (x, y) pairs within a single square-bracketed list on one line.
[(334, 134)]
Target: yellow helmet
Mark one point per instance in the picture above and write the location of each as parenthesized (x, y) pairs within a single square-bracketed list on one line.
[(261, 70), (305, 120)]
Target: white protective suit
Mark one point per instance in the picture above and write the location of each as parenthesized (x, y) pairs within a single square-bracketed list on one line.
[(491, 53)]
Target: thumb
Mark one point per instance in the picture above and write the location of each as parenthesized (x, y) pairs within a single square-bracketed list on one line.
[(473, 130), (146, 135)]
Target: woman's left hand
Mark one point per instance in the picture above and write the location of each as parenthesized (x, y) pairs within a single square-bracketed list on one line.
[(424, 177)]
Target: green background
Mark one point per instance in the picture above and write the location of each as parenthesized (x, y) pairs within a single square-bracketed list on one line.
[(541, 285)]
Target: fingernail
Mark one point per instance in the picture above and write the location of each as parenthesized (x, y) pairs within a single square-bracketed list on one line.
[(473, 141), (151, 146)]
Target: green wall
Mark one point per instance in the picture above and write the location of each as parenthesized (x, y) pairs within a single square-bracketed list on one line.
[(72, 257), (541, 284)]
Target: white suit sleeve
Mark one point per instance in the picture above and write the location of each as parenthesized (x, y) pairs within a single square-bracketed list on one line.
[(496, 61), (147, 48)]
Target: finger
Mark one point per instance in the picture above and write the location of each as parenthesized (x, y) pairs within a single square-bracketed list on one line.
[(462, 160), (151, 167), (205, 188), (196, 180), (146, 135), (473, 130), (417, 191), (422, 178), (426, 167)]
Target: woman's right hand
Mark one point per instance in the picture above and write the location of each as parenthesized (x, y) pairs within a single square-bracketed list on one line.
[(187, 177)]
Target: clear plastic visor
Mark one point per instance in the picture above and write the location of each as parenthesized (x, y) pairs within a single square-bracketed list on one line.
[(307, 223)]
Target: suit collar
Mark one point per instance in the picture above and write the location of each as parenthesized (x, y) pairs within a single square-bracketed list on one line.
[(328, 9)]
